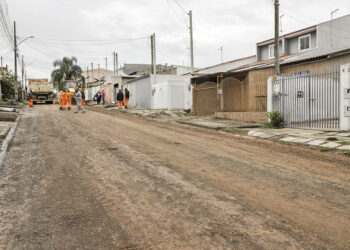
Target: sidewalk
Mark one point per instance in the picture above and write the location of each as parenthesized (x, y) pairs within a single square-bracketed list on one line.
[(324, 140), (313, 138)]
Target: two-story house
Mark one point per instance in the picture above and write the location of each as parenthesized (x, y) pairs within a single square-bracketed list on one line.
[(240, 93)]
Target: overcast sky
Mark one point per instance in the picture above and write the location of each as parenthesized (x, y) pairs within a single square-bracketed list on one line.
[(92, 29)]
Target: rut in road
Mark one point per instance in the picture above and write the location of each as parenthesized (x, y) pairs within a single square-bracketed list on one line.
[(114, 181)]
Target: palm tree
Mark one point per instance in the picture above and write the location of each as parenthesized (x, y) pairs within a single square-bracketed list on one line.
[(66, 69)]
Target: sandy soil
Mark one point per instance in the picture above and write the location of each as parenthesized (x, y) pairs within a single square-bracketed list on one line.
[(106, 180)]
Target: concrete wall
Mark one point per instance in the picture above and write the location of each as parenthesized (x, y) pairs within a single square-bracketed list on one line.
[(140, 93), (109, 92), (175, 93), (339, 28), (155, 91)]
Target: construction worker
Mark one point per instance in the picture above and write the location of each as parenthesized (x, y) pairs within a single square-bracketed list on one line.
[(64, 103), (62, 100), (120, 98), (69, 99), (126, 98), (30, 99), (82, 98)]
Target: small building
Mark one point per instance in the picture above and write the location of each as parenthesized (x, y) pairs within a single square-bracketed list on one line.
[(160, 92)]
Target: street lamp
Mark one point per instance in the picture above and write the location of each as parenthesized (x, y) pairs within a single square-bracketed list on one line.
[(25, 39)]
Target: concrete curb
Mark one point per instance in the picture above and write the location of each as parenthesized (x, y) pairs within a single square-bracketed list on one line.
[(6, 142)]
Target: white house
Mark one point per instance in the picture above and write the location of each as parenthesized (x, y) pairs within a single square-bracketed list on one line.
[(160, 92)]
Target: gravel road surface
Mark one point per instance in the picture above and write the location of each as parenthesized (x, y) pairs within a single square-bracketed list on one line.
[(108, 180)]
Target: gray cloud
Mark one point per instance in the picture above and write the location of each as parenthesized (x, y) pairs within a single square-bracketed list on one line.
[(235, 25)]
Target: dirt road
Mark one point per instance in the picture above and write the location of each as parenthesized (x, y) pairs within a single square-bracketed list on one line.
[(113, 181)]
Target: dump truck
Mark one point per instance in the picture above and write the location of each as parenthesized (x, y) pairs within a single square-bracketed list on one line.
[(42, 90), (70, 86)]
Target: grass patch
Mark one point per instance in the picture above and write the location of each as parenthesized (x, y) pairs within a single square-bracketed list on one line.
[(344, 143), (332, 139), (232, 129), (346, 152), (267, 125), (326, 149)]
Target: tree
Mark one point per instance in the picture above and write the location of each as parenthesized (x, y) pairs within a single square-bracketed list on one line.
[(66, 69), (7, 82)]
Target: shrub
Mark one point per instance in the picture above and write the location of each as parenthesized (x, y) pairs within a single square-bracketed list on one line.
[(276, 119)]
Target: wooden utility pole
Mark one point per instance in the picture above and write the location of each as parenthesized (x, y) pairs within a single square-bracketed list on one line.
[(277, 18), (153, 49), (92, 72), (23, 83), (116, 62), (15, 50), (152, 54), (191, 41)]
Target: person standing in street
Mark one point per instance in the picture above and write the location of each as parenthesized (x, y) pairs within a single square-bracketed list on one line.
[(120, 99), (98, 98), (82, 98), (126, 98), (103, 97), (30, 99), (78, 99)]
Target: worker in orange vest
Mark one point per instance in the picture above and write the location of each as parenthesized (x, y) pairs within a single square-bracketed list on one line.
[(62, 100), (30, 99), (82, 97), (126, 98), (69, 100), (120, 99)]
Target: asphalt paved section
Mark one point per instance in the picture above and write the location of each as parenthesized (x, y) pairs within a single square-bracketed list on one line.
[(107, 180)]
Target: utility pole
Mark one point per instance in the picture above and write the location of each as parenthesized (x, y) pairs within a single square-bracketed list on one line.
[(23, 77), (116, 62), (15, 49), (152, 60), (221, 52), (87, 76), (106, 63), (92, 72), (191, 41), (277, 63), (153, 51)]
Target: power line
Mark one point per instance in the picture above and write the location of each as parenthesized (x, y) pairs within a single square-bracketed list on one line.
[(180, 6)]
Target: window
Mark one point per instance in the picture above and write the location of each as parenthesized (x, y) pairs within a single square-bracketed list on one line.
[(271, 51), (304, 42)]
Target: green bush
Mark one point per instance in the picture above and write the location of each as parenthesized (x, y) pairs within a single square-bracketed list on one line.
[(276, 119)]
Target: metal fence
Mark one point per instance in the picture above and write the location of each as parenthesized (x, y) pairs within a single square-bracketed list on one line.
[(308, 98)]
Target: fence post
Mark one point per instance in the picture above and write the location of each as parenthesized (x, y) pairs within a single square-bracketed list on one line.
[(270, 93), (344, 98)]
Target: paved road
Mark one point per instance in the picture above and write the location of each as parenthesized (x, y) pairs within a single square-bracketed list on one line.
[(113, 181)]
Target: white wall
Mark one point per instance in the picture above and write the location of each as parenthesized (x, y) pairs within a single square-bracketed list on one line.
[(161, 92), (174, 93), (91, 92), (140, 93)]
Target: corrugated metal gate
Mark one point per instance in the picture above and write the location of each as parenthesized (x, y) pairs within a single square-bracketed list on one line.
[(308, 99), (205, 101)]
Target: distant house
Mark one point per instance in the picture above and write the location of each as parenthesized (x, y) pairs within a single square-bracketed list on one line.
[(101, 79), (238, 89)]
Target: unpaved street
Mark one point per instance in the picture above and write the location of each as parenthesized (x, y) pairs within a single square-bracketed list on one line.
[(115, 181)]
